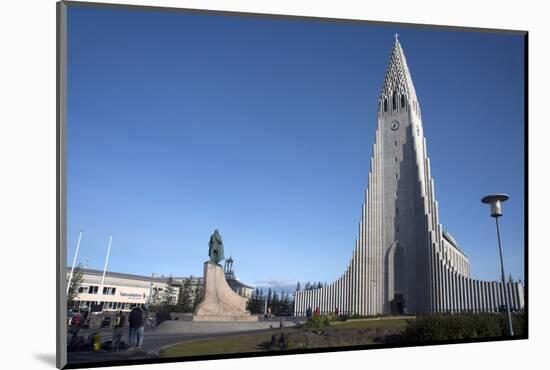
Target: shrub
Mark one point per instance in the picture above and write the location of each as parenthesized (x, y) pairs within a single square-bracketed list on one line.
[(318, 322), (461, 326)]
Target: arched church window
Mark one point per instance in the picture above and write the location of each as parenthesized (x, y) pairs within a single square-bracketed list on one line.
[(394, 101), (402, 101), (385, 105)]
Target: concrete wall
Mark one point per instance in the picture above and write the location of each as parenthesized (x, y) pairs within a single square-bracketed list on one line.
[(400, 218)]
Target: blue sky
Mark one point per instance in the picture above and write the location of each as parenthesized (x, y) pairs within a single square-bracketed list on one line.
[(179, 124)]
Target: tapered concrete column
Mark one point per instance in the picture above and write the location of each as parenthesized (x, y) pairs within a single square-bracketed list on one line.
[(486, 302), (460, 294), (493, 296), (513, 293), (479, 304), (497, 295), (455, 292)]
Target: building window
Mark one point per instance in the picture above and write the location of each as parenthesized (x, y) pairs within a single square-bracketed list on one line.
[(105, 290), (81, 289), (113, 291), (395, 159), (396, 176), (395, 144)]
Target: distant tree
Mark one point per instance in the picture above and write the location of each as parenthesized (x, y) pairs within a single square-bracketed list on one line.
[(307, 286), (251, 303), (184, 296), (168, 292), (269, 297), (298, 287), (275, 303), (254, 304), (291, 300), (74, 285), (284, 304), (262, 301), (197, 297), (510, 280)]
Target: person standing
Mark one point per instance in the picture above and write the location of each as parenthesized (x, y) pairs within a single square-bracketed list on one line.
[(75, 326), (141, 328), (308, 313), (84, 319), (118, 330), (135, 321)]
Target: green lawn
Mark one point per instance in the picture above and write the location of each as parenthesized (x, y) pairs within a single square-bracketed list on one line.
[(369, 323), (252, 342), (230, 344)]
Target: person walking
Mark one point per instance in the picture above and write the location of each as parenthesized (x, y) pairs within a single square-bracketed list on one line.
[(118, 330), (74, 327), (308, 313), (135, 321)]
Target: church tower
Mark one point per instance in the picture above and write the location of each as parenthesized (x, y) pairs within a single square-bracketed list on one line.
[(407, 210), (403, 261)]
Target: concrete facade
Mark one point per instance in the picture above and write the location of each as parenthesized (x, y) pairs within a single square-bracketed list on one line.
[(404, 261), (123, 291), (220, 302)]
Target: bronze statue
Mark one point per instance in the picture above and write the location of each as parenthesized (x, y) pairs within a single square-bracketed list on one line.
[(215, 248)]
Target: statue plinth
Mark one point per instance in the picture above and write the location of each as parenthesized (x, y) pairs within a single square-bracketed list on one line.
[(220, 302)]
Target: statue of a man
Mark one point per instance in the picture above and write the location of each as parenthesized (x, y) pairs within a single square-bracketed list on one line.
[(215, 248)]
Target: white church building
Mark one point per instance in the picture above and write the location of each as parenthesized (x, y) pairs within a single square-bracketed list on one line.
[(404, 261)]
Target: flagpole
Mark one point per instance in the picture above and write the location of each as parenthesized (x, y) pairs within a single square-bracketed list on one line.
[(74, 261), (105, 267)]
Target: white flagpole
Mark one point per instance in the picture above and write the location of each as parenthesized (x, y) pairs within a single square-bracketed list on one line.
[(74, 261), (105, 267)]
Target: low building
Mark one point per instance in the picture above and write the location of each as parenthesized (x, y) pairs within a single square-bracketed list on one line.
[(234, 283), (121, 291)]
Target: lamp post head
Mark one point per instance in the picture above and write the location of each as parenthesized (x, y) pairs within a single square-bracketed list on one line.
[(495, 201)]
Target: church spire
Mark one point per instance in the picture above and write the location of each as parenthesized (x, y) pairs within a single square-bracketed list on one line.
[(398, 88)]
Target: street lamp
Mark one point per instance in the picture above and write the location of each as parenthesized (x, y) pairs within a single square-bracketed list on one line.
[(495, 201)]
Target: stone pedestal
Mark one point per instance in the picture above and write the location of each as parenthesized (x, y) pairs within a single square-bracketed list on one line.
[(220, 302)]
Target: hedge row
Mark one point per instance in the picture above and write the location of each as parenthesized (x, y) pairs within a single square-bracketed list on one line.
[(462, 326)]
